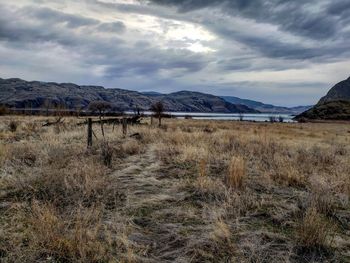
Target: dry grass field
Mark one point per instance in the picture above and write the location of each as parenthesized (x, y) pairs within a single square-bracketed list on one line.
[(190, 191)]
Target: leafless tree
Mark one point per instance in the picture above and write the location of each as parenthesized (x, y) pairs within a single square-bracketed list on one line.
[(138, 111), (47, 106), (158, 110), (272, 118)]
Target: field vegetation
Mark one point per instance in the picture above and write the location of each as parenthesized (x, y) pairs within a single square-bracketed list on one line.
[(187, 191)]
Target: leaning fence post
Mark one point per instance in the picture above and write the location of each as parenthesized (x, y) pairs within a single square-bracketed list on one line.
[(89, 130), (125, 126)]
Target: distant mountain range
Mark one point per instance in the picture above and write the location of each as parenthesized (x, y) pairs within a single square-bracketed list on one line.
[(18, 93), (266, 108), (256, 105), (334, 106)]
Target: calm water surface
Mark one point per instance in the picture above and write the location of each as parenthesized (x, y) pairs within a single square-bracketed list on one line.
[(261, 117)]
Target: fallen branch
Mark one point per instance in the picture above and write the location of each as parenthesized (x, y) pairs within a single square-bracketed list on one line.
[(130, 120), (57, 121)]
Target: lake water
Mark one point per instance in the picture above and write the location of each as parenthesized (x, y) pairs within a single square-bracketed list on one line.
[(260, 117)]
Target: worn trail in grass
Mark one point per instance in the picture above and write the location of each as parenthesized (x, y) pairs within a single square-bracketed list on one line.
[(154, 204)]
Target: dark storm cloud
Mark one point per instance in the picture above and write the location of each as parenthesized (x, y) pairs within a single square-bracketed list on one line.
[(31, 24), (290, 15), (274, 48), (46, 25), (151, 62), (55, 17), (303, 19), (338, 8)]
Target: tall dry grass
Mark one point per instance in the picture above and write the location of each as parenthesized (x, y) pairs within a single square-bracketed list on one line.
[(236, 173), (315, 231)]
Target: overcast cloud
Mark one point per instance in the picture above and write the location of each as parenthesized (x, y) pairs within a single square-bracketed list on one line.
[(285, 52)]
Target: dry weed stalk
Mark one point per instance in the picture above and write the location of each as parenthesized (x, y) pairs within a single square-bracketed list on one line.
[(202, 168)]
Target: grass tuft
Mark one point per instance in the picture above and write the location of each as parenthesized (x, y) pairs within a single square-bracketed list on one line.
[(314, 231), (236, 173)]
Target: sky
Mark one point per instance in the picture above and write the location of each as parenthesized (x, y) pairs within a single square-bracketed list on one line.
[(284, 52)]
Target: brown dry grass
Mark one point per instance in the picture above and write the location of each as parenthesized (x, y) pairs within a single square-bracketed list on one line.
[(315, 231), (236, 173), (192, 191)]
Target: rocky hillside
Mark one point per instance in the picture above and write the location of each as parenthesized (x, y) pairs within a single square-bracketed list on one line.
[(19, 93), (334, 106), (196, 101), (340, 91), (330, 110)]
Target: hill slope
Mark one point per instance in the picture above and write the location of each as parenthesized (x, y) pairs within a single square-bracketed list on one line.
[(341, 91), (330, 110), (35, 94), (334, 106), (266, 108), (200, 102)]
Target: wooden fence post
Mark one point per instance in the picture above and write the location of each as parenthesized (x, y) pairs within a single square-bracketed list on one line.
[(89, 138), (125, 126)]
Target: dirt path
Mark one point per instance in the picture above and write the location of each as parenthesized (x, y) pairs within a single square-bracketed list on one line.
[(154, 204)]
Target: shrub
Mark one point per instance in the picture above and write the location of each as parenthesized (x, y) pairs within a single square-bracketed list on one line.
[(131, 147), (13, 126), (272, 119), (106, 154), (4, 110), (302, 120), (236, 173)]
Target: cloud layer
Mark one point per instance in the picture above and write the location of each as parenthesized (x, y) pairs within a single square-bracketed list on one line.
[(287, 52)]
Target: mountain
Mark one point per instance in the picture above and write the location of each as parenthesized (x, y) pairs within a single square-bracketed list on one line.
[(330, 110), (19, 93), (265, 108), (334, 106), (340, 91), (200, 102), (152, 93)]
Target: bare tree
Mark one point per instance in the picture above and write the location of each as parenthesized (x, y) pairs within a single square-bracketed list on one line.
[(272, 118), (101, 107), (158, 110), (241, 116), (47, 106), (138, 110)]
